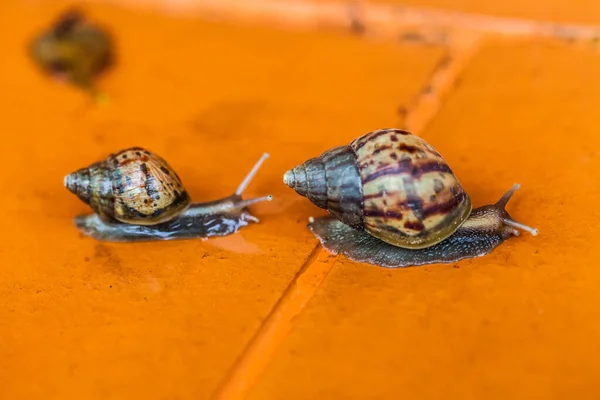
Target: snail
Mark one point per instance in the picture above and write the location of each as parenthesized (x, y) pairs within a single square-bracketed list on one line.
[(137, 196), (73, 50), (394, 202)]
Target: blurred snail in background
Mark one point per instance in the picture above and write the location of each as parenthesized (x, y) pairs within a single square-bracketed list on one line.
[(394, 202), (137, 196), (73, 50)]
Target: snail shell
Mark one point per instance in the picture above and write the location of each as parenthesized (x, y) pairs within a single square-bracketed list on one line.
[(132, 186), (391, 183), (73, 49)]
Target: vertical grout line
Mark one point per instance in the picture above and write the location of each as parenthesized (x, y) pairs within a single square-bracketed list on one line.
[(263, 346), (427, 103)]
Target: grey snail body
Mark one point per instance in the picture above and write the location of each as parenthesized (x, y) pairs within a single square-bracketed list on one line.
[(394, 202), (137, 196)]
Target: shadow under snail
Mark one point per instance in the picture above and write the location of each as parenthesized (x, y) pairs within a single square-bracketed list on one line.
[(394, 202), (73, 50), (137, 196)]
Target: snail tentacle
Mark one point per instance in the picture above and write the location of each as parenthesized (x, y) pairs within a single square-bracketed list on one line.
[(251, 175), (510, 222)]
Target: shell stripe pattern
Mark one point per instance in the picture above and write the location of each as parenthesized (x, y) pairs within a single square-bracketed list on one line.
[(411, 196), (144, 185)]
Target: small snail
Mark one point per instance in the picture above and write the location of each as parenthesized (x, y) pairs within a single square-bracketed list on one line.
[(73, 50), (394, 202), (137, 196)]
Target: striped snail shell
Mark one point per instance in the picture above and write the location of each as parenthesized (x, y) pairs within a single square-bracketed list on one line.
[(395, 202), (74, 49), (132, 186), (390, 183)]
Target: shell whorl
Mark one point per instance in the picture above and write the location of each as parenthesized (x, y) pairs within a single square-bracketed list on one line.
[(93, 186), (78, 183), (132, 186), (332, 182)]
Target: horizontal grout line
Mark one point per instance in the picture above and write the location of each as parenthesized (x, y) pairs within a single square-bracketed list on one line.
[(378, 18)]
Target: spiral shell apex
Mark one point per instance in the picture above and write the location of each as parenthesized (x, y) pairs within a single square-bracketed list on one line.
[(390, 183), (133, 186)]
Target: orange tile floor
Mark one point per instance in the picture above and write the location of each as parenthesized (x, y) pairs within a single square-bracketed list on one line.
[(263, 314)]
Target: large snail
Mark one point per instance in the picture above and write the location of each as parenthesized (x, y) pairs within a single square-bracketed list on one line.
[(137, 196), (73, 50), (395, 202)]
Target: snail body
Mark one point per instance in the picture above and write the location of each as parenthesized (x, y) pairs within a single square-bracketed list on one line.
[(73, 50), (394, 201), (137, 196)]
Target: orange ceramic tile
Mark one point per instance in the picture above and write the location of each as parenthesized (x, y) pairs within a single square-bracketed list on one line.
[(83, 319), (520, 323)]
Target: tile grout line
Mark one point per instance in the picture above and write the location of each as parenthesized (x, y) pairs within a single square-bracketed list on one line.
[(427, 103), (255, 358), (377, 19), (258, 354)]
